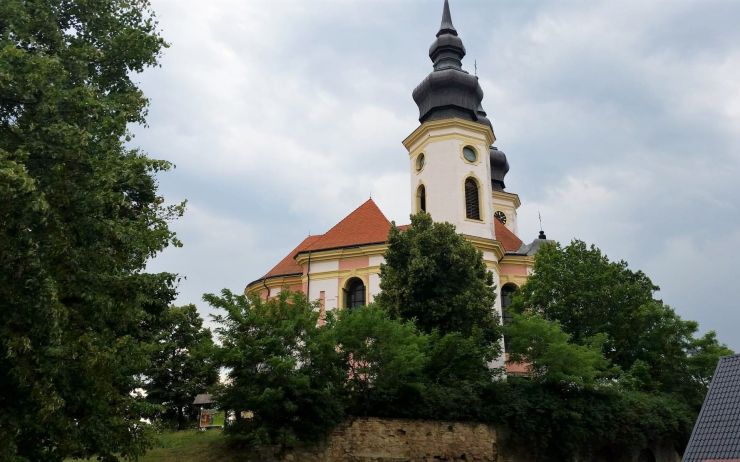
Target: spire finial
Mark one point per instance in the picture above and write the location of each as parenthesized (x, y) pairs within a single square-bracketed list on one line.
[(446, 27), (542, 233)]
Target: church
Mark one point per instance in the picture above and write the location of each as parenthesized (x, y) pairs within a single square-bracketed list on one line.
[(457, 175)]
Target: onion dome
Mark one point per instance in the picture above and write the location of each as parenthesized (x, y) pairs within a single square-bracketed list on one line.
[(499, 168), (483, 117), (449, 91)]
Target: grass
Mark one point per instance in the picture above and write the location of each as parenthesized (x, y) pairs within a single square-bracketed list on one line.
[(190, 446)]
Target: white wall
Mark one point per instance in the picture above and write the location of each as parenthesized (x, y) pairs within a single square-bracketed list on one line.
[(444, 175), (330, 288)]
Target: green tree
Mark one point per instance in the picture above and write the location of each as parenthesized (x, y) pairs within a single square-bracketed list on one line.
[(588, 295), (384, 360), (183, 363), (281, 367), (434, 276), (79, 218), (550, 355)]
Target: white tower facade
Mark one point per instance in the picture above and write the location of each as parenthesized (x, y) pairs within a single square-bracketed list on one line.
[(450, 174)]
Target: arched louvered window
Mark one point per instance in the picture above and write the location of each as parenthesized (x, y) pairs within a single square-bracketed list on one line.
[(421, 198), (472, 203), (507, 293), (354, 293)]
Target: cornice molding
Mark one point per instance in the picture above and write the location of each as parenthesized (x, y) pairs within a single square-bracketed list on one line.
[(525, 260), (483, 243), (427, 127), (507, 196), (341, 253)]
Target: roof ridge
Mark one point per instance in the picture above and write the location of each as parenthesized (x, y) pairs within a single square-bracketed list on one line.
[(362, 220)]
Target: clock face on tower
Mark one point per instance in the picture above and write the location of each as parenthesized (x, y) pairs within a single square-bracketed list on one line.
[(500, 216)]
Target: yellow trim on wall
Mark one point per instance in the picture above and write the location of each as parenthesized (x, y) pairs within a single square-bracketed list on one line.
[(273, 282), (507, 197), (338, 254), (416, 136), (341, 300), (522, 260), (482, 244), (514, 279), (343, 274)]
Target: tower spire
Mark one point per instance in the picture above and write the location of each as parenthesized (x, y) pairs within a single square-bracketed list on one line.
[(449, 91), (446, 27)]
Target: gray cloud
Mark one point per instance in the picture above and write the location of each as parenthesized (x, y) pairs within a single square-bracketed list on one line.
[(621, 121)]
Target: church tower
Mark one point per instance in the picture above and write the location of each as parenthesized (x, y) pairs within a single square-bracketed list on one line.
[(450, 153)]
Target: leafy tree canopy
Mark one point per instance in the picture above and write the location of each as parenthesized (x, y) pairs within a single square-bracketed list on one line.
[(384, 359), (434, 276), (183, 363), (79, 218), (284, 372), (591, 297), (551, 357)]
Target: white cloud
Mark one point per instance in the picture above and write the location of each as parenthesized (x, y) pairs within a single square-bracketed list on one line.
[(620, 120)]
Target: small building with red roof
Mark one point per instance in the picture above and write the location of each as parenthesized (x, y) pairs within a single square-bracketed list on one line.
[(456, 175)]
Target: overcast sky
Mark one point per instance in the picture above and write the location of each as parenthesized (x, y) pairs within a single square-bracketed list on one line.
[(621, 122)]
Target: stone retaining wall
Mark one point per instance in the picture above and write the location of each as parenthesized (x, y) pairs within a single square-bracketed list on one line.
[(400, 440)]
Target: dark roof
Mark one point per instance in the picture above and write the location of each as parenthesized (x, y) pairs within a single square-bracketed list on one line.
[(716, 434), (499, 168), (449, 91)]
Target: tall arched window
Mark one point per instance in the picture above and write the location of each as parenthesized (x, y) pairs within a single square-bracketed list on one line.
[(472, 204), (507, 293), (421, 198), (354, 293)]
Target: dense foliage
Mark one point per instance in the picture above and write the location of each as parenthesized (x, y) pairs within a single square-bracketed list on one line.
[(591, 390), (79, 218), (432, 275), (597, 301), (284, 372), (183, 364)]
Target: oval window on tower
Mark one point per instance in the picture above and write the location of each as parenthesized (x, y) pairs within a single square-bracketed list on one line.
[(470, 154), (420, 162)]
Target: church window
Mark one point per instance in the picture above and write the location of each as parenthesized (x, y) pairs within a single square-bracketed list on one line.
[(420, 162), (421, 198), (470, 154), (507, 294), (472, 203), (354, 293)]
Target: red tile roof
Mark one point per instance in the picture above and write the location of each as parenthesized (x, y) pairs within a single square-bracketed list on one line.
[(365, 225), (508, 239), (288, 265)]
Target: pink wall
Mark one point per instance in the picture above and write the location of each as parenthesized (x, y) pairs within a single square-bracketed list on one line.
[(354, 263), (513, 270)]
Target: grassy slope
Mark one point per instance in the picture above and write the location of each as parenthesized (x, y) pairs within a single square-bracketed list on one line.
[(190, 446)]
